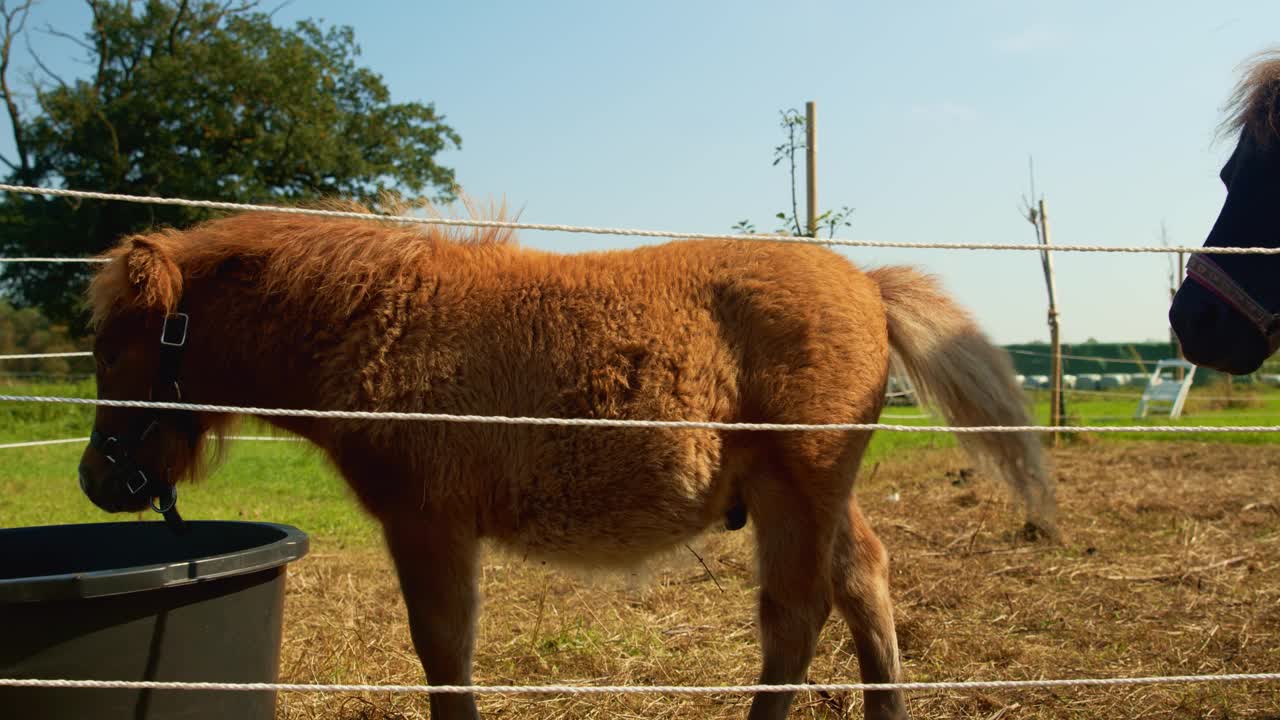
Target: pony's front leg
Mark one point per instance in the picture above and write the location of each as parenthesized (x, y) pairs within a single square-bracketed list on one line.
[(436, 560)]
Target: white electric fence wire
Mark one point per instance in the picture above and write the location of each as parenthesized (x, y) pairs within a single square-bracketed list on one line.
[(635, 689), (12, 260), (410, 219), (1069, 391), (629, 423), (41, 356), (41, 443), (1095, 358), (68, 441)]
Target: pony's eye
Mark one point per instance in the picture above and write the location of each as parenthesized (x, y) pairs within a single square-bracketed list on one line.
[(107, 360)]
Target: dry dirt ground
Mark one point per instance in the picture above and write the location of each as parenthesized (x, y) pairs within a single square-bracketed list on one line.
[(1171, 565)]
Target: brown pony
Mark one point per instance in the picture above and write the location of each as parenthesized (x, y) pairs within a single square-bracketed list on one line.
[(305, 312)]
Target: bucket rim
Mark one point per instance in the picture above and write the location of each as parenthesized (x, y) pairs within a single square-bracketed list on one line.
[(293, 544)]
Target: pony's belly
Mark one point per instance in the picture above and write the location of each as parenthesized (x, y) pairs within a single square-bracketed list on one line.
[(607, 539), (618, 518)]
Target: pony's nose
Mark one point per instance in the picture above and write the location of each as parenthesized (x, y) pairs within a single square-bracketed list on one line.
[(1206, 316), (1192, 320), (84, 481)]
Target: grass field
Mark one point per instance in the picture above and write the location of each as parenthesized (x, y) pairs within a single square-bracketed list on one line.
[(1171, 565), (279, 481), (290, 482)]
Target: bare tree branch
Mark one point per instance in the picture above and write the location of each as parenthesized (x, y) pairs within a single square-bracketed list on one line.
[(40, 64), (173, 28), (51, 30), (99, 31), (17, 15), (209, 21), (272, 13), (14, 21), (232, 8)]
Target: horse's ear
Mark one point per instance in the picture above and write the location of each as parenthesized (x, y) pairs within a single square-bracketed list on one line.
[(153, 274)]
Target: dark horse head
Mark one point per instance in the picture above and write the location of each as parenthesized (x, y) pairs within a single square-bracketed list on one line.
[(141, 335), (1225, 313)]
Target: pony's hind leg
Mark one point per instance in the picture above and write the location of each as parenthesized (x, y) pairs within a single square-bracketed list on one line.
[(860, 578), (794, 541), (436, 561)]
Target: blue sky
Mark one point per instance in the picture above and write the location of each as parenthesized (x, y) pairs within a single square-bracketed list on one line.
[(664, 114)]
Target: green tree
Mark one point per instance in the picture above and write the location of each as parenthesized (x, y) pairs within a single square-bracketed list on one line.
[(197, 99), (27, 331)]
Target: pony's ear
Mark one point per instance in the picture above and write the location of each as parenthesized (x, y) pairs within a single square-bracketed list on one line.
[(153, 274)]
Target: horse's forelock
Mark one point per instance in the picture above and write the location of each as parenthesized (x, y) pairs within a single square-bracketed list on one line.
[(109, 289), (140, 273), (1254, 107)]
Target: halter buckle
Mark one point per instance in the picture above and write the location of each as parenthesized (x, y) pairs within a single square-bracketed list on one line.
[(134, 490), (107, 446), (178, 328)]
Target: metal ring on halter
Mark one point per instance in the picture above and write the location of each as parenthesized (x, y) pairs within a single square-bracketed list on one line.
[(134, 490), (173, 500)]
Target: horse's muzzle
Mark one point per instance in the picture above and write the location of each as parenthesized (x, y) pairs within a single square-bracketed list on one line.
[(1213, 334), (110, 491)]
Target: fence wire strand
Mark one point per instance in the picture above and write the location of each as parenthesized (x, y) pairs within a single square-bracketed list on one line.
[(631, 423), (629, 232), (42, 356), (640, 689)]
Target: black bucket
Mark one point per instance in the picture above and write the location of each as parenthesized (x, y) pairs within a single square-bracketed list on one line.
[(133, 601)]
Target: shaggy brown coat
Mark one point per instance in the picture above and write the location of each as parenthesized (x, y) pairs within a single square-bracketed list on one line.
[(304, 312)]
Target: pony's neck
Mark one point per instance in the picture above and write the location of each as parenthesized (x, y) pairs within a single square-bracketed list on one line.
[(250, 351), (310, 345)]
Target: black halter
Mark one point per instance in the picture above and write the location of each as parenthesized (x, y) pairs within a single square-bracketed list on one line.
[(1214, 279), (119, 450)]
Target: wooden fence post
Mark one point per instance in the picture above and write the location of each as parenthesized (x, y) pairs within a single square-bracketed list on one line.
[(1055, 401), (811, 165)]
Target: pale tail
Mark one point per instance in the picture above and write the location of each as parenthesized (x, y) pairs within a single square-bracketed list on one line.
[(957, 370)]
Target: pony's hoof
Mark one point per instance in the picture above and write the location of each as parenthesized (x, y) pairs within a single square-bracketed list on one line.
[(1040, 532)]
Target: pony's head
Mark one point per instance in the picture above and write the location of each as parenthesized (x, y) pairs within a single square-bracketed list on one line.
[(1225, 313), (165, 311), (141, 334)]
